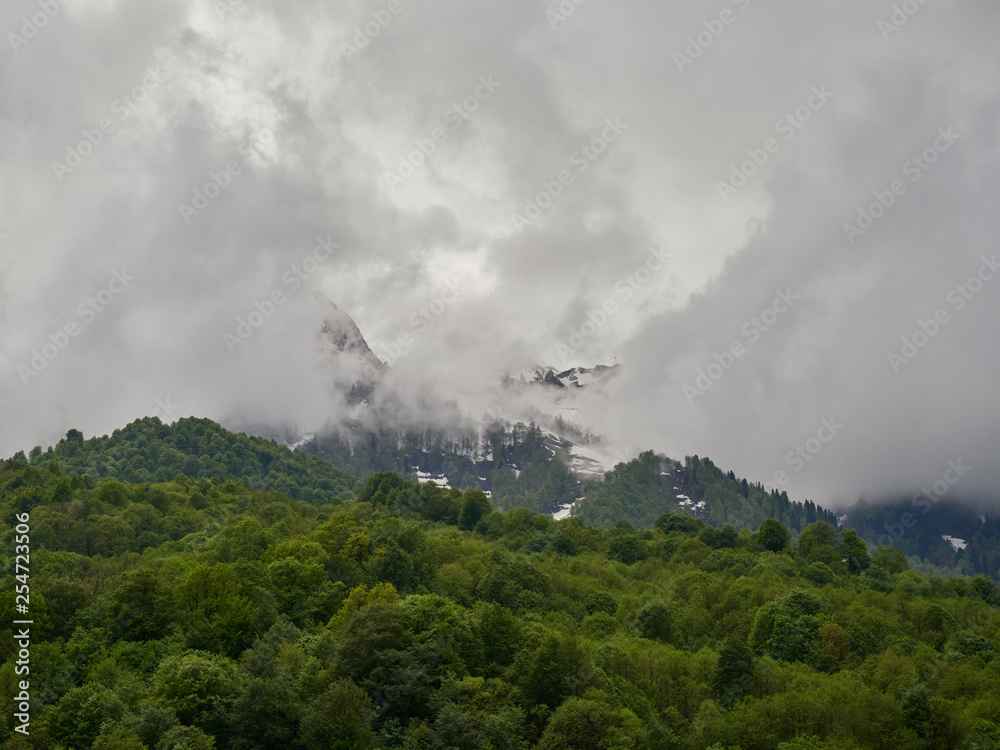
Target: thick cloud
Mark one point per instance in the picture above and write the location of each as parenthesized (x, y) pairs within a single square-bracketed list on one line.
[(308, 125)]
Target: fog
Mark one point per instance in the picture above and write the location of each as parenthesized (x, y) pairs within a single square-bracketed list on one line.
[(749, 206)]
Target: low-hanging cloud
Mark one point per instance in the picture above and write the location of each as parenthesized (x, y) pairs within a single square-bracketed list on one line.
[(841, 155)]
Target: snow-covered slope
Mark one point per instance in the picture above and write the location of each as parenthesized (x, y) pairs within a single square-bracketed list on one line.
[(588, 462), (956, 543)]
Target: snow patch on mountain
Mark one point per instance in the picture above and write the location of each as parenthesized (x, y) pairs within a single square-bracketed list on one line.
[(439, 479), (565, 511), (575, 377), (305, 439), (956, 543), (588, 462)]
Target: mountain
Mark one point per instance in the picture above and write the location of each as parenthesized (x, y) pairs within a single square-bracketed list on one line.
[(517, 465), (428, 437), (201, 613), (643, 489), (540, 458), (343, 344), (575, 377), (565, 468)]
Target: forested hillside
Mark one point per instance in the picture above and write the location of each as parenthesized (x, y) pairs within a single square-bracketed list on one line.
[(920, 526), (201, 613), (149, 451), (642, 489), (515, 462), (510, 460)]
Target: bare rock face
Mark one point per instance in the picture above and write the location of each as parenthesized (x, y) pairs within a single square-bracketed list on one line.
[(355, 366), (575, 377), (341, 332)]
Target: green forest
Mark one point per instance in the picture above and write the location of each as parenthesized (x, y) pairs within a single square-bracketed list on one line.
[(928, 522), (196, 589), (641, 490)]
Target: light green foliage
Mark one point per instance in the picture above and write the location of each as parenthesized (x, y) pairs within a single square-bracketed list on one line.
[(817, 534), (196, 685), (119, 739), (787, 628), (601, 602), (585, 724), (186, 738), (197, 613), (819, 573)]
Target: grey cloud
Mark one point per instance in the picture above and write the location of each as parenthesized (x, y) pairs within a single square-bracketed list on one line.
[(526, 289)]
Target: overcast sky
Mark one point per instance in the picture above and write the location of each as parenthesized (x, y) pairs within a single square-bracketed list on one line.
[(517, 182)]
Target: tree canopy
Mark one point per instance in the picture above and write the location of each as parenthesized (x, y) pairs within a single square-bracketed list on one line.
[(207, 612)]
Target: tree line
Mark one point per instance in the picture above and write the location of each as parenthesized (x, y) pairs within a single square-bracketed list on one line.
[(206, 612)]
